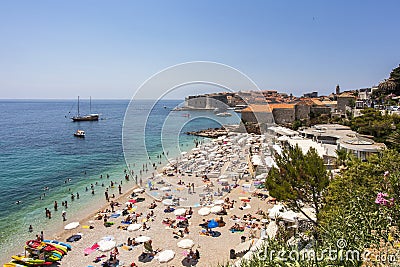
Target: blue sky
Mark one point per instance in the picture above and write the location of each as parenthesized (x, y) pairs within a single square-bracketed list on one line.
[(107, 49)]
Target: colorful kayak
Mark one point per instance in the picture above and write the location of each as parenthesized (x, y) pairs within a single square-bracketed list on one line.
[(68, 246), (35, 244), (13, 264), (63, 248), (29, 261)]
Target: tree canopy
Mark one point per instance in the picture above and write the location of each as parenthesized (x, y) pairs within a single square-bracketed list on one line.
[(299, 179)]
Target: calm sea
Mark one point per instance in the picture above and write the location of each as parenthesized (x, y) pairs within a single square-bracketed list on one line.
[(38, 151)]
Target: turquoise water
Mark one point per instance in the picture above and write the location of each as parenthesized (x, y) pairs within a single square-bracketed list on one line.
[(38, 150)]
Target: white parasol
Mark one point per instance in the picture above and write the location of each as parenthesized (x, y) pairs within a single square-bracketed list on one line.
[(72, 225), (185, 243), (180, 212), (216, 209), (204, 211), (138, 190), (165, 188), (142, 239), (134, 227), (168, 202), (106, 245), (166, 255), (219, 202)]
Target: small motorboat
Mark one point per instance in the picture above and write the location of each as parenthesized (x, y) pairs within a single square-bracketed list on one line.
[(80, 133)]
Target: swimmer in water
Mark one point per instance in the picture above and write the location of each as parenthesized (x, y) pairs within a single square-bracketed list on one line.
[(18, 202)]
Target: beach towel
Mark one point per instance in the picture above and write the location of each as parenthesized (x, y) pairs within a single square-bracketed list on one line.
[(124, 247), (89, 250), (74, 238), (108, 224)]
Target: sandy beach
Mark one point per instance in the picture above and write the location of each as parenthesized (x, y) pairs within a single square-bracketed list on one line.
[(224, 156), (213, 250)]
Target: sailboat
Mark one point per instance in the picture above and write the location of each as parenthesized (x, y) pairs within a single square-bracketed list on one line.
[(90, 117)]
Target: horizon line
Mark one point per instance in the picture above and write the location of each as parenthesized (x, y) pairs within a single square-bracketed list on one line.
[(122, 99)]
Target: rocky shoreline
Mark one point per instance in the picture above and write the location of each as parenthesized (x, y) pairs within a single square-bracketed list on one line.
[(210, 132)]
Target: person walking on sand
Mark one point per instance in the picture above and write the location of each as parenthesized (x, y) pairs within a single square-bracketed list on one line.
[(120, 189)]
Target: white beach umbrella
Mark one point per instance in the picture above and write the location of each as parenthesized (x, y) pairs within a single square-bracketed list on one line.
[(183, 153), (138, 190), (165, 256), (134, 227), (216, 209), (106, 245), (204, 211), (142, 239), (218, 201), (276, 211), (165, 188), (168, 202), (72, 225), (185, 243), (179, 212)]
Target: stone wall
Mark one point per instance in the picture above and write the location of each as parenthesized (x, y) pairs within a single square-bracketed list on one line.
[(317, 111), (284, 115), (196, 102), (302, 112), (257, 117), (343, 101), (206, 102)]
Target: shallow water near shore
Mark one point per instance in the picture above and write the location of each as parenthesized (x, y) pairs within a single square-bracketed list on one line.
[(38, 150)]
